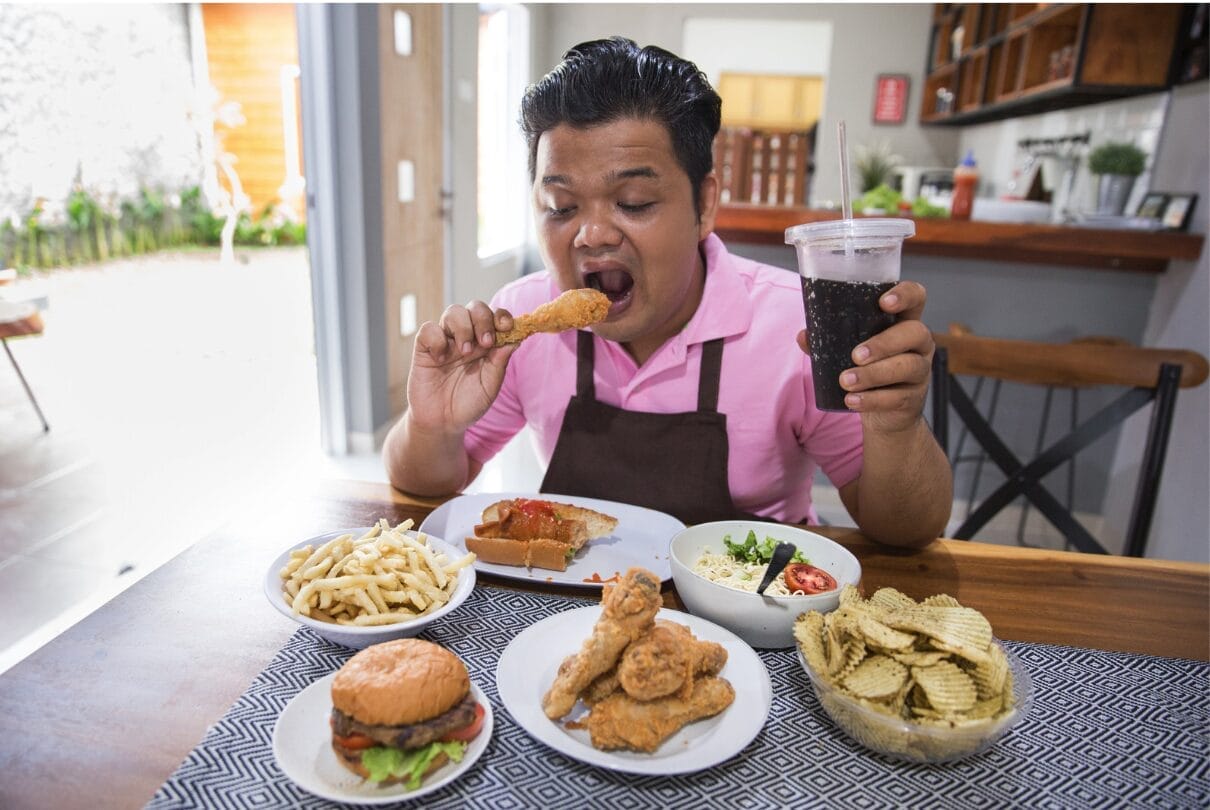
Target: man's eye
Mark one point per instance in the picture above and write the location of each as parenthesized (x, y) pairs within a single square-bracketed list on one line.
[(559, 212), (634, 207)]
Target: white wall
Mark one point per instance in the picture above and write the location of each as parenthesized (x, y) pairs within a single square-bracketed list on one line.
[(1179, 317)]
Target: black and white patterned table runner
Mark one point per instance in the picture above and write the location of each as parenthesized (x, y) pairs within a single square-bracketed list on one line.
[(1106, 730)]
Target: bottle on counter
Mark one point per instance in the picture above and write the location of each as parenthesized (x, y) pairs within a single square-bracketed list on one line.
[(966, 180)]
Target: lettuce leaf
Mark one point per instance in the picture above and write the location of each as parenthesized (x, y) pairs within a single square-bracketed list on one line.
[(754, 552), (409, 766)]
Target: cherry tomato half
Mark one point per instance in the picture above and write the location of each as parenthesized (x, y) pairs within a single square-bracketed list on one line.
[(468, 733), (808, 579)]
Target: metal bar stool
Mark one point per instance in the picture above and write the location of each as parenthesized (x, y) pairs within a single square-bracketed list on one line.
[(1151, 375)]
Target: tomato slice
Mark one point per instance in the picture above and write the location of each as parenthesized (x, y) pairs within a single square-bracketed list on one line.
[(808, 579), (353, 742), (468, 733)]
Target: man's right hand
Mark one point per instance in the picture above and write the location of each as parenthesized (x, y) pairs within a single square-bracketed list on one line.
[(457, 369)]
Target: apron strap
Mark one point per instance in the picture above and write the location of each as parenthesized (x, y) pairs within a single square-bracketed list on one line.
[(707, 384), (585, 389)]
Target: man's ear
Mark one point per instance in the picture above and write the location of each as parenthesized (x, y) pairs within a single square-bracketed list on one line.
[(708, 196)]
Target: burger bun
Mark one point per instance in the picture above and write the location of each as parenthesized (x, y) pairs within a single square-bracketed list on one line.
[(400, 682)]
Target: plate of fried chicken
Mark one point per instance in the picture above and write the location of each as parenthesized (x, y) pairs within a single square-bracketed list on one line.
[(630, 686)]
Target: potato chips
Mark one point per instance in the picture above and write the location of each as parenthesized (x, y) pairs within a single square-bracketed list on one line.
[(932, 663)]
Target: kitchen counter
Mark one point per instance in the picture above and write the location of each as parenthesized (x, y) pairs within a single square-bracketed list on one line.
[(1130, 250)]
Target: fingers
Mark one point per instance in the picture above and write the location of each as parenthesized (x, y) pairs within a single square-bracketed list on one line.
[(462, 331), (903, 336), (905, 299)]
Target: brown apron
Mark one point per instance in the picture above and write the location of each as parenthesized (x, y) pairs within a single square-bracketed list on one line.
[(673, 462)]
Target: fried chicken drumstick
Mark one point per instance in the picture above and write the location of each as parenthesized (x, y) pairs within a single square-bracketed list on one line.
[(629, 609), (573, 309)]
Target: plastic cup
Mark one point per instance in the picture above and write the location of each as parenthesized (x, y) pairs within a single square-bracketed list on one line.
[(846, 265)]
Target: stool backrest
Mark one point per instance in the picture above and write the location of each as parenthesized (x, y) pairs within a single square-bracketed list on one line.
[(1075, 363)]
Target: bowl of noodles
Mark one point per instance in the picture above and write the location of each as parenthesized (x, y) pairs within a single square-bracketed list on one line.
[(717, 567)]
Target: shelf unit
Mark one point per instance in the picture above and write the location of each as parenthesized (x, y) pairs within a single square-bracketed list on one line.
[(999, 60)]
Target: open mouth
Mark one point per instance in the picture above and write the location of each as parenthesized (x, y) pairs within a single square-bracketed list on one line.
[(616, 284)]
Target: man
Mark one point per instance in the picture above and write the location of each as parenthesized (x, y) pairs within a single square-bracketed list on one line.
[(691, 397)]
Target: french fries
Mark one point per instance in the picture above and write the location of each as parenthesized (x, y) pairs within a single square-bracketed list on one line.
[(383, 577)]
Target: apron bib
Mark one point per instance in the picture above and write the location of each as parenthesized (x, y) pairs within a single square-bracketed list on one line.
[(672, 462)]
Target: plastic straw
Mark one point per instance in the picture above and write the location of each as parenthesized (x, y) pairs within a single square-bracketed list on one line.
[(846, 204)]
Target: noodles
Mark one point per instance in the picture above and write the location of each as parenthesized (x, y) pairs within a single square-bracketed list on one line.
[(724, 569)]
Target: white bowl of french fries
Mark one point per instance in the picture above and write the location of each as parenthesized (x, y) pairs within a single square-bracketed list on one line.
[(358, 587), (917, 681)]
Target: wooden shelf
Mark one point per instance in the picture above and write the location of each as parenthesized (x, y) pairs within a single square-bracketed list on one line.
[(993, 61), (1134, 251)]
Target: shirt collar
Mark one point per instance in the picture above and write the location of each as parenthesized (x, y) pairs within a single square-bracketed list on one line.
[(726, 307)]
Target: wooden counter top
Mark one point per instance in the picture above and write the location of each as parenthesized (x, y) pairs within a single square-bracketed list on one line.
[(1134, 251)]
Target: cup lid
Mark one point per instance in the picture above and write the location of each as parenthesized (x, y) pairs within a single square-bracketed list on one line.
[(864, 228)]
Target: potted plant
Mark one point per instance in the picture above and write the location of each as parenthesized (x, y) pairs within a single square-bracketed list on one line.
[(1116, 166), (875, 165)]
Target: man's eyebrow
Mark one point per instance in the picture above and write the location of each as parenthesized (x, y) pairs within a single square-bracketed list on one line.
[(620, 174), (638, 171)]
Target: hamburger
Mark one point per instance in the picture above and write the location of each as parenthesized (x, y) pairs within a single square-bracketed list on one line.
[(401, 710)]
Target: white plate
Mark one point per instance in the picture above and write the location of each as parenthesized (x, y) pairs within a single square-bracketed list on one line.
[(302, 746), (529, 664), (358, 637), (641, 538)]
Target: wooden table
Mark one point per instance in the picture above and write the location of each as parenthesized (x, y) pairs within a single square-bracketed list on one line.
[(102, 715)]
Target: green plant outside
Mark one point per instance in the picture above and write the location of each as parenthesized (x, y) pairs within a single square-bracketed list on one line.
[(1117, 158), (147, 223)]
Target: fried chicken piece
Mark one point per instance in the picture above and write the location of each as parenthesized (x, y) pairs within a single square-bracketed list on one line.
[(620, 721), (574, 309), (602, 687), (629, 611), (667, 660)]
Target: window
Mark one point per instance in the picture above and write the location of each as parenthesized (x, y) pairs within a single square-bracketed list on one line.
[(502, 157)]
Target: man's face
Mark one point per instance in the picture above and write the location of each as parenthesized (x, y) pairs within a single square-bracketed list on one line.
[(615, 212)]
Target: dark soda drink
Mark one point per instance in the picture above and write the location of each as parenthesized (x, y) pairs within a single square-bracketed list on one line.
[(840, 315)]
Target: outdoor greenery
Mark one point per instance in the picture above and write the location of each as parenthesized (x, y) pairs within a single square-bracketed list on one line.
[(1117, 158), (93, 230)]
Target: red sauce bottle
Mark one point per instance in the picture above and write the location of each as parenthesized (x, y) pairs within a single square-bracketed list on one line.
[(966, 180)]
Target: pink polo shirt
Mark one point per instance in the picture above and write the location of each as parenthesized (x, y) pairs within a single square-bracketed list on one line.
[(776, 435)]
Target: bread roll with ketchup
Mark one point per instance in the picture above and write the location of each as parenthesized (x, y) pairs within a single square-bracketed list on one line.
[(536, 533)]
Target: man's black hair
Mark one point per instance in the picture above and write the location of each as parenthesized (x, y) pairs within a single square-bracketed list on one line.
[(606, 80)]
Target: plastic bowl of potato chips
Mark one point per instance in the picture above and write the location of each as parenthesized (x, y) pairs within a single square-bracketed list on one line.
[(917, 681), (358, 587)]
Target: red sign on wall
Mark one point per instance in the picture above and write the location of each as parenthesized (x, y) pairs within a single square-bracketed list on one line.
[(890, 98)]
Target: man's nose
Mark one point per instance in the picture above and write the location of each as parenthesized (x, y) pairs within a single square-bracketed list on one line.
[(597, 231)]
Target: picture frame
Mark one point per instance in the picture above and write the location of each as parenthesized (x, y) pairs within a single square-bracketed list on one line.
[(1178, 210), (891, 97), (1152, 205)]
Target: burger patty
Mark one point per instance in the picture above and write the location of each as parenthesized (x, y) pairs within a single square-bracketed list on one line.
[(415, 735)]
